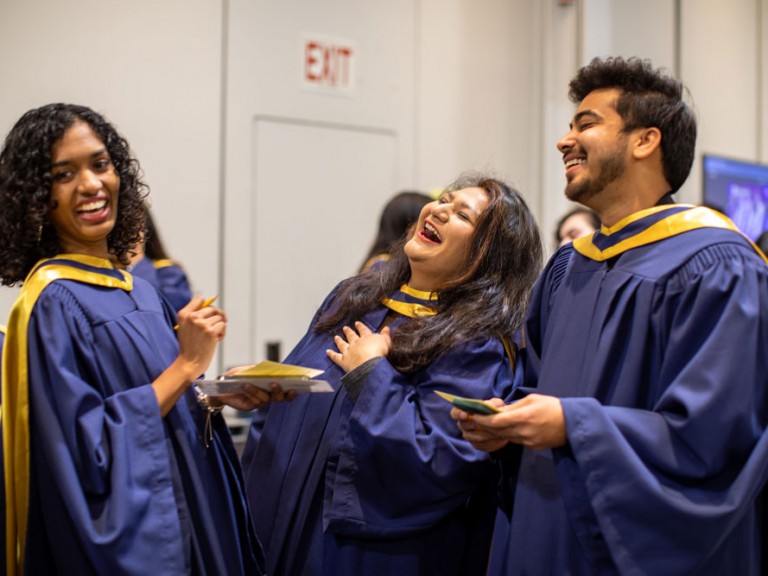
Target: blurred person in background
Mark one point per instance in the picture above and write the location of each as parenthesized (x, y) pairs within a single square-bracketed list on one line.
[(398, 215), (151, 261), (576, 223)]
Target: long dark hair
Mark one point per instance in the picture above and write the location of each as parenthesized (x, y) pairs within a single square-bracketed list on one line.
[(25, 188), (487, 298)]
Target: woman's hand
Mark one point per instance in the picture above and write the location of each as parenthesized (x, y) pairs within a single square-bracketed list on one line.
[(200, 330), (357, 347), (253, 397)]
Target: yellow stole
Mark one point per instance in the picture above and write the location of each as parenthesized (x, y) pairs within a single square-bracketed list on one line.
[(406, 302), (163, 263), (411, 302), (682, 218), (15, 407)]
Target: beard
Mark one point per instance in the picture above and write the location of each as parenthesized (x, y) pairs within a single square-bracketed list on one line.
[(610, 167)]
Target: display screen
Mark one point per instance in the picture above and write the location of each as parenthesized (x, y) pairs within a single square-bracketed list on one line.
[(739, 189)]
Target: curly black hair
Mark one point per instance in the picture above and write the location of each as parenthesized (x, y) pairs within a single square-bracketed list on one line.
[(487, 298), (25, 188), (649, 98)]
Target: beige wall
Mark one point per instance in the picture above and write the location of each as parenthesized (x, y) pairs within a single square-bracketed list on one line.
[(442, 86)]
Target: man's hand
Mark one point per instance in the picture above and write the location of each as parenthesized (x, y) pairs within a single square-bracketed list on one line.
[(535, 421)]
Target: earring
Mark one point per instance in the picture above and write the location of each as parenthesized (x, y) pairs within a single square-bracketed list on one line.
[(39, 233)]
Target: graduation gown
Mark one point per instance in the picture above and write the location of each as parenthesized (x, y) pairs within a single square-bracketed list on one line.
[(168, 277), (104, 484), (653, 333), (376, 479), (2, 475)]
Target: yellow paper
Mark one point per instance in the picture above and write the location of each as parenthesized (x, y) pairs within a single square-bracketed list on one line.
[(269, 369)]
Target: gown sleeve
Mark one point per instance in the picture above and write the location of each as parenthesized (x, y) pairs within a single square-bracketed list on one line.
[(399, 433), (680, 476), (102, 455)]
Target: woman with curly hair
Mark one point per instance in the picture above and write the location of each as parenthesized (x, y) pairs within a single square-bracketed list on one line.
[(378, 477), (111, 465)]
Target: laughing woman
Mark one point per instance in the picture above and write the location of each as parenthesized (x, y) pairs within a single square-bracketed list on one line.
[(108, 467), (374, 478)]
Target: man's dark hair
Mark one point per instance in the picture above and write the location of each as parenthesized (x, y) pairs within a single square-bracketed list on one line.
[(649, 98)]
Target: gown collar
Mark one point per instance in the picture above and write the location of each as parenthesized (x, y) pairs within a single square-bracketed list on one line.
[(411, 302), (88, 269), (648, 226)]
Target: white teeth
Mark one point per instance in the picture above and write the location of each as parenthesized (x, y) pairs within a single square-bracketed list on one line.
[(432, 230), (574, 162), (91, 206)]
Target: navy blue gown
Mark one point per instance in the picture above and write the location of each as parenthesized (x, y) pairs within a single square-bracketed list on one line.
[(103, 483), (654, 334), (376, 480)]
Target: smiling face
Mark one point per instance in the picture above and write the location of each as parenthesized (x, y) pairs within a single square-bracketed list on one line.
[(84, 192), (595, 149), (441, 239)]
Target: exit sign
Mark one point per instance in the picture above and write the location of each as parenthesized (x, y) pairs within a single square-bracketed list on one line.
[(328, 64)]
